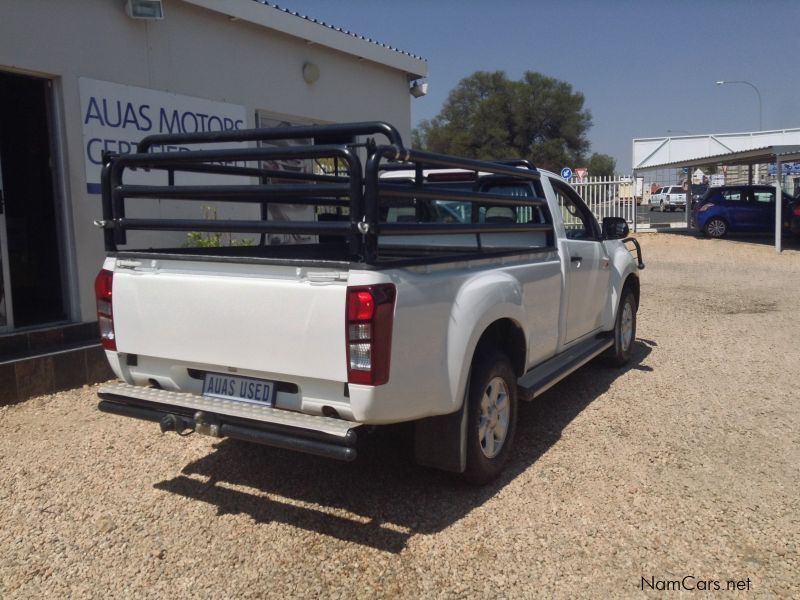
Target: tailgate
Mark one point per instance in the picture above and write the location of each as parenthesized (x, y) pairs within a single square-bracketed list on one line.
[(273, 318)]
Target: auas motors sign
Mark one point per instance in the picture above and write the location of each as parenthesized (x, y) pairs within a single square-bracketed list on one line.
[(116, 117)]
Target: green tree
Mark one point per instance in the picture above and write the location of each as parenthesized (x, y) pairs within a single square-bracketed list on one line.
[(489, 116), (601, 165)]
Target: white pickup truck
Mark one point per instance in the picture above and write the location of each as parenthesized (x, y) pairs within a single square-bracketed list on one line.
[(418, 288), (668, 198)]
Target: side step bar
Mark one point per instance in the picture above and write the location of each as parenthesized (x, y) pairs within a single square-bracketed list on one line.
[(540, 379), (322, 436)]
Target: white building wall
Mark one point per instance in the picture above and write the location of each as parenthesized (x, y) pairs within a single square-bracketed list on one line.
[(194, 52)]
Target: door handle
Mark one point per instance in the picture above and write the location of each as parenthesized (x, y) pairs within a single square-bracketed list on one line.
[(576, 259)]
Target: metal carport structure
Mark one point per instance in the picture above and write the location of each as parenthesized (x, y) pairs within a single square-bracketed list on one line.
[(778, 154)]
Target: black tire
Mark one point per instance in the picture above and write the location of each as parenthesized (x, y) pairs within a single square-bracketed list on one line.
[(716, 227), (661, 207), (489, 370), (624, 330)]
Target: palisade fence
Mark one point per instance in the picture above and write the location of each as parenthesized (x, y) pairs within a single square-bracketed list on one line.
[(612, 196)]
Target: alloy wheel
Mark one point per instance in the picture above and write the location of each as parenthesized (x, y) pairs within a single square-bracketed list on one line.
[(494, 418)]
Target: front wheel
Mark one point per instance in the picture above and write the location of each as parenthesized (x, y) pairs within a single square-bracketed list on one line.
[(491, 417), (624, 330), (662, 207), (716, 228)]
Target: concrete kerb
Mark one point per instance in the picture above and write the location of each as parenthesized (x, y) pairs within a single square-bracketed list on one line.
[(656, 227)]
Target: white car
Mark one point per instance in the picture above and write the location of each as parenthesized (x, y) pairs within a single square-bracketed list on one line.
[(668, 198), (435, 290)]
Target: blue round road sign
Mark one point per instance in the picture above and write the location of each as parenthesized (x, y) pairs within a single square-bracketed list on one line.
[(566, 173)]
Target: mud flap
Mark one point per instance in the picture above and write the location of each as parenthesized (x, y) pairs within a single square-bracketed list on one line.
[(441, 442)]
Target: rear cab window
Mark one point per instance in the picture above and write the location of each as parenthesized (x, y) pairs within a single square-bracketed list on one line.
[(453, 211)]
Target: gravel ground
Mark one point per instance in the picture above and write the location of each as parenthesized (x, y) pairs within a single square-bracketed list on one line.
[(685, 464)]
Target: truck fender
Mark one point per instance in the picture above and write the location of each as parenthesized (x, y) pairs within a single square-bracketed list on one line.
[(480, 302), (440, 441), (621, 270)]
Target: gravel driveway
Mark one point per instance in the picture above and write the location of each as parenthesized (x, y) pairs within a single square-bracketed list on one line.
[(685, 464)]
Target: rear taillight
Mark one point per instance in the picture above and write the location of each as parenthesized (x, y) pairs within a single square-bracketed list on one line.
[(369, 318), (105, 317), (796, 211)]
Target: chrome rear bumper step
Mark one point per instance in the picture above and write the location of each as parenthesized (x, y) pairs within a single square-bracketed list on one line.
[(234, 408), (322, 436)]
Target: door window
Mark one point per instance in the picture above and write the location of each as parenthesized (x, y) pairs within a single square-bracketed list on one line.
[(578, 220), (763, 197), (731, 196)]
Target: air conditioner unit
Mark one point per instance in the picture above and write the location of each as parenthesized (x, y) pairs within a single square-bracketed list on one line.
[(152, 10)]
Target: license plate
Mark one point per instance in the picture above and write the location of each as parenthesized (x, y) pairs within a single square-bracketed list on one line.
[(232, 387)]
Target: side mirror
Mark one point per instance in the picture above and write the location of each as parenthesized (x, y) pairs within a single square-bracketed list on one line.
[(615, 228)]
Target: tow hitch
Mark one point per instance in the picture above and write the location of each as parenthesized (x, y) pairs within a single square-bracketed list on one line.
[(200, 423), (172, 423)]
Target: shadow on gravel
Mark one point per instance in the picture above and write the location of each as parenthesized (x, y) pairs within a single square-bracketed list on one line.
[(381, 499)]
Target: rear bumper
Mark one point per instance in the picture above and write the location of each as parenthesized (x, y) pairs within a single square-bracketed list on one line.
[(322, 436)]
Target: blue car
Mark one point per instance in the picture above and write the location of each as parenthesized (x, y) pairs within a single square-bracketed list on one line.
[(737, 208)]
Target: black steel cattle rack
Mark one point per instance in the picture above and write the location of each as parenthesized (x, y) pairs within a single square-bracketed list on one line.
[(359, 189)]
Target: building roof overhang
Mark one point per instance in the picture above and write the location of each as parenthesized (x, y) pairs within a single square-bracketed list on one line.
[(755, 156), (714, 148), (313, 31)]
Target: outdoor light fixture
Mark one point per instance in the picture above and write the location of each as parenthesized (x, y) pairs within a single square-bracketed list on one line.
[(310, 72), (760, 126), (152, 10), (418, 90)]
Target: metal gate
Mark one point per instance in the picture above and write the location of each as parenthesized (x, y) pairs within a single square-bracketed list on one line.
[(613, 196)]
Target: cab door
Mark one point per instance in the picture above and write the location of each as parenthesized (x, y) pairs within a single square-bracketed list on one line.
[(586, 263), (762, 203), (737, 209)]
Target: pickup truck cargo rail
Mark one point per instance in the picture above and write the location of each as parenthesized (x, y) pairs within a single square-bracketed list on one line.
[(359, 191), (276, 133)]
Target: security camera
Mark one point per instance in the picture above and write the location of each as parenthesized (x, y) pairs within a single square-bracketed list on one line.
[(418, 90)]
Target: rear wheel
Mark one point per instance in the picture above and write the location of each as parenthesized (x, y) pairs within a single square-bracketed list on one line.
[(716, 228), (491, 417)]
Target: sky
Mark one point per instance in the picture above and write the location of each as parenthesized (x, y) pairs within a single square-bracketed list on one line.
[(647, 68)]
